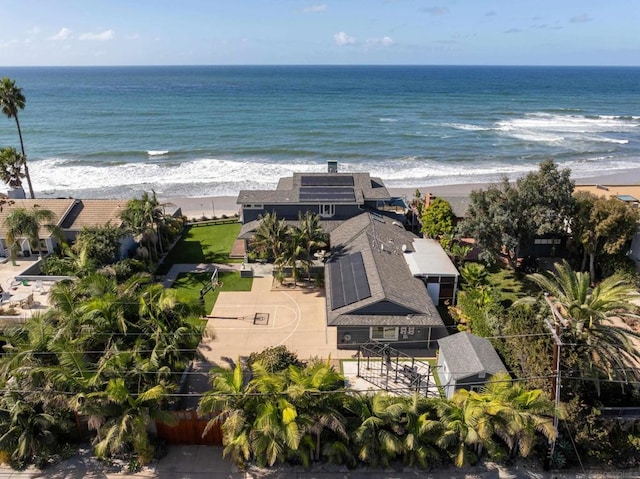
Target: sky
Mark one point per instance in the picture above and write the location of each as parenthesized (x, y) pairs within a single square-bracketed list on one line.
[(337, 32)]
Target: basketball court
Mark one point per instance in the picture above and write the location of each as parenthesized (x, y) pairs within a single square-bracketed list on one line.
[(246, 322)]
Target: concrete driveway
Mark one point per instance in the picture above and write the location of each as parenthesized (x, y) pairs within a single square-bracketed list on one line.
[(295, 318)]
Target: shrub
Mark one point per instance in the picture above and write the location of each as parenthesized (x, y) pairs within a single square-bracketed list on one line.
[(276, 358)]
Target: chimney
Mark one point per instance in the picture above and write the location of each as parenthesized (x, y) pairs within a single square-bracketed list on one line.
[(427, 199), (332, 166)]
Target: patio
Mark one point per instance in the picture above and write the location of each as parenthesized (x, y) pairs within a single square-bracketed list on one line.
[(21, 299)]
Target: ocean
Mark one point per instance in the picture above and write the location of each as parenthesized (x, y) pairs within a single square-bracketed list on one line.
[(213, 130)]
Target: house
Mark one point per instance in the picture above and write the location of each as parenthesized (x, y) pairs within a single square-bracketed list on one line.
[(466, 361), (70, 216), (334, 196), (371, 292)]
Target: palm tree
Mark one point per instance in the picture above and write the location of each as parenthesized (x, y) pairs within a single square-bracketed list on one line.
[(310, 236), (271, 236), (468, 429), (521, 414), (143, 217), (228, 401), (29, 431), (377, 439), (421, 431), (21, 223), (323, 413), (12, 100), (588, 316), (128, 418), (11, 167)]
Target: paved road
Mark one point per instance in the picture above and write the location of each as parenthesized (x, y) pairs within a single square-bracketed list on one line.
[(199, 462)]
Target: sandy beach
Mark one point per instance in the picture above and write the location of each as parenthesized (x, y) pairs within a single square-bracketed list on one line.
[(209, 206)]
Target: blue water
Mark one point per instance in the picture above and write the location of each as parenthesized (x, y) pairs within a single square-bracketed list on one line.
[(192, 131)]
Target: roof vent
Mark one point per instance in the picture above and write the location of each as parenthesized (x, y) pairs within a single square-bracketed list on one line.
[(332, 166)]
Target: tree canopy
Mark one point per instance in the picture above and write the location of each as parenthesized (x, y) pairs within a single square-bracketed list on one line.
[(438, 219), (503, 218), (603, 227)]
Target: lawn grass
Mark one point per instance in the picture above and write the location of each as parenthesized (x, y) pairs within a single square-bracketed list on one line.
[(203, 244), (190, 284)]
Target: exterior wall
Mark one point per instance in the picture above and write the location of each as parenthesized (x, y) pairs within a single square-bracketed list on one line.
[(544, 246), (448, 383), (444, 287), (423, 337)]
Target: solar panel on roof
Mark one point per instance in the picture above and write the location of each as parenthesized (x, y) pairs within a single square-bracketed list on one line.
[(327, 194), (349, 283), (329, 180)]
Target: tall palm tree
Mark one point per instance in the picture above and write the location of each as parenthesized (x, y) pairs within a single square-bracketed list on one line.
[(589, 319), (24, 224), (143, 217), (12, 100)]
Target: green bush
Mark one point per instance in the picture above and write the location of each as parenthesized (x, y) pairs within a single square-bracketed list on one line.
[(276, 358)]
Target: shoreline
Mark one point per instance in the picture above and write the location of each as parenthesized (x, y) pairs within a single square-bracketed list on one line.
[(209, 206)]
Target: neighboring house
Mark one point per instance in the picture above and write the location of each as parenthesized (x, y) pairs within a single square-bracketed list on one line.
[(96, 213), (466, 361), (371, 292), (334, 196), (71, 215), (630, 194)]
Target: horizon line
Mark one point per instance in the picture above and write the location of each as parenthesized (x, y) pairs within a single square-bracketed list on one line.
[(475, 65)]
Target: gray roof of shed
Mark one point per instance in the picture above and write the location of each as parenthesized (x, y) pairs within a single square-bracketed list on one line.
[(469, 355), (380, 242)]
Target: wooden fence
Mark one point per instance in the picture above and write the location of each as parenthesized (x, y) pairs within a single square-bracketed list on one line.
[(189, 430)]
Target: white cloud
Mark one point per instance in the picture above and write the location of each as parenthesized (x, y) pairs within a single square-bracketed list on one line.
[(63, 34), (342, 39), (100, 37), (380, 42), (584, 18), (315, 8)]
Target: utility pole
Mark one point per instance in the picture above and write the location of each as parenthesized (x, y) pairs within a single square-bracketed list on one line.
[(554, 329)]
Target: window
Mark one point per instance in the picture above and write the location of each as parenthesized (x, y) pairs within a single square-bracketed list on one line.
[(326, 210), (252, 206), (384, 333), (546, 241)]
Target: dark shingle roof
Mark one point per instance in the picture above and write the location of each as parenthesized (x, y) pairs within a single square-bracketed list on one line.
[(380, 242), (469, 355)]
